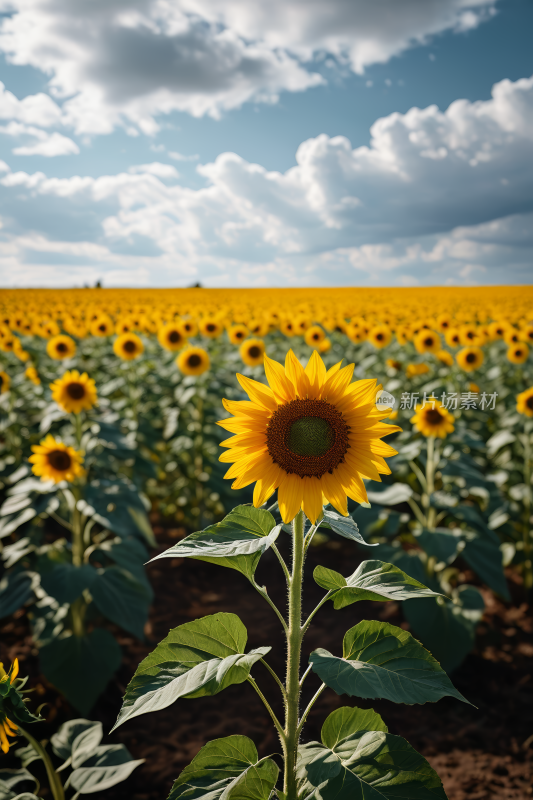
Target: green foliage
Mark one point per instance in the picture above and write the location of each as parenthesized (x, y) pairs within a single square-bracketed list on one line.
[(228, 767)]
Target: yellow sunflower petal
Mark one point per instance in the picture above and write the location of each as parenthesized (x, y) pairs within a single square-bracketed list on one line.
[(281, 385), (296, 374), (316, 372), (332, 489), (290, 496), (312, 499), (267, 485), (258, 393)]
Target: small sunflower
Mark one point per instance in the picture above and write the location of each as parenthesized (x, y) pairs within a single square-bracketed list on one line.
[(518, 353), (471, 335), (527, 334), (524, 403), (60, 347), (433, 419), (427, 341), (314, 335), (470, 358), (324, 346), (301, 323), (33, 376), (252, 352), (101, 326), (237, 333), (53, 460), (193, 361), (393, 364), (380, 336), (445, 357), (19, 351), (124, 325), (444, 322), (452, 337), (313, 436), (7, 341), (171, 337), (211, 328), (128, 346), (259, 327), (287, 328), (497, 330), (355, 334), (412, 370), (188, 326), (74, 392), (512, 336), (473, 387), (5, 382), (7, 727), (403, 335)]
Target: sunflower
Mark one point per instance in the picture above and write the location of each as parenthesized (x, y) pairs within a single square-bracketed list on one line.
[(427, 341), (301, 323), (125, 325), (527, 334), (237, 333), (452, 337), (49, 328), (518, 353), (7, 727), (355, 334), (188, 327), (497, 330), (313, 436), (259, 327), (393, 364), (252, 352), (512, 336), (32, 375), (211, 328), (445, 357), (74, 392), (287, 328), (53, 460), (416, 369), (324, 346), (314, 335), (471, 335), (444, 322), (380, 336), (101, 326), (128, 346), (170, 337), (193, 361), (7, 340), (403, 335), (470, 358), (5, 381), (524, 403), (60, 347), (433, 419), (473, 387)]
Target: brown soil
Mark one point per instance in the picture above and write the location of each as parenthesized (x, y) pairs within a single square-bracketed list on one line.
[(480, 753)]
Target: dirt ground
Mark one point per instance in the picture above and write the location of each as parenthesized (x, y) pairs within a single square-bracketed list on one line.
[(480, 753)]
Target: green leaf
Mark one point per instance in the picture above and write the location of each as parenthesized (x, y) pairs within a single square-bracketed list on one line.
[(10, 778), (440, 543), (197, 659), (344, 526), (81, 666), (15, 590), (366, 765), (123, 599), (76, 735), (381, 660), (109, 765), (408, 561), (390, 495), (66, 582), (447, 627), (346, 721), (372, 580), (143, 523), (228, 766), (237, 542), (485, 558)]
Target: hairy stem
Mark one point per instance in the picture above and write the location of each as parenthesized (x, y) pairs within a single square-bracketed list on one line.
[(56, 787), (77, 609), (264, 594), (310, 706), (294, 643), (430, 480), (275, 720), (281, 686), (528, 566)]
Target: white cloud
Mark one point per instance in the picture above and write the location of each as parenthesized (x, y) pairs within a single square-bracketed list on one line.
[(385, 211), (124, 62), (46, 144)]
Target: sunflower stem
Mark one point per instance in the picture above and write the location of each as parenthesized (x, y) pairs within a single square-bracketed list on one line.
[(528, 566), (294, 644), (54, 780), (430, 481), (77, 609)]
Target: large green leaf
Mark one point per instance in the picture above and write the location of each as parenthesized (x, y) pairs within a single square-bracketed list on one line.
[(66, 582), (237, 542), (485, 558), (366, 765), (107, 766), (15, 590), (441, 543), (122, 598), (344, 526), (196, 659), (408, 561), (447, 627), (381, 660), (372, 580), (228, 766), (81, 666), (77, 739), (345, 721)]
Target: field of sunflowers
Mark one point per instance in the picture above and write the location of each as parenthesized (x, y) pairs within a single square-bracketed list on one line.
[(115, 443)]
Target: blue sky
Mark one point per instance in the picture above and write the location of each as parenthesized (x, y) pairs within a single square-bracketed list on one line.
[(152, 143)]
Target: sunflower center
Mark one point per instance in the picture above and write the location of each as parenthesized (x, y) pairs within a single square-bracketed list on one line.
[(101, 328), (60, 460), (174, 337), (61, 347), (307, 437), (428, 341), (194, 360), (310, 436), (471, 358), (433, 416), (529, 402), (211, 327), (379, 337), (254, 351), (76, 390), (129, 346)]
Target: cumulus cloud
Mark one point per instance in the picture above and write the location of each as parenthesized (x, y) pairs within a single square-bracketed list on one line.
[(44, 144), (124, 62), (387, 209)]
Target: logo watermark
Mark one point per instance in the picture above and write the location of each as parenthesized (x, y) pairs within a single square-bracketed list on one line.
[(451, 401)]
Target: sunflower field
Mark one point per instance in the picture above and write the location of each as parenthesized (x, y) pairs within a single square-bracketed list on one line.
[(399, 420)]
